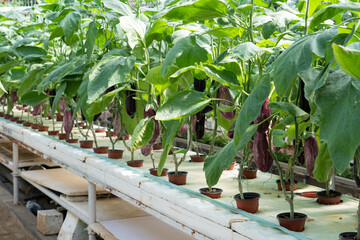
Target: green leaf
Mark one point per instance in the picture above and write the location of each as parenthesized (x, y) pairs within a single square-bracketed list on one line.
[(91, 38), (33, 98), (348, 60), (251, 108), (6, 66), (244, 51), (99, 106), (288, 107), (182, 104), (57, 72), (143, 133), (197, 11), (338, 102), (154, 78), (298, 57), (107, 72), (331, 11), (30, 51), (230, 32), (323, 164), (28, 81), (221, 75), (158, 31), (134, 29), (278, 138), (185, 52), (70, 24), (118, 7), (59, 92)]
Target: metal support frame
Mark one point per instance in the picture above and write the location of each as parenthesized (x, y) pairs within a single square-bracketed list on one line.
[(92, 208), (16, 172)]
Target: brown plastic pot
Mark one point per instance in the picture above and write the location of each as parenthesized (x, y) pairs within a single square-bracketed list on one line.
[(7, 116), (62, 136), (348, 236), (112, 134), (157, 147), (249, 173), (85, 127), (59, 117), (86, 143), (153, 171), (19, 108), (43, 128), (334, 198), (115, 154), (27, 124), (297, 224), (14, 119), (72, 140), (1, 114), (200, 158), (126, 137), (179, 179), (20, 121), (53, 133), (81, 124), (250, 203), (135, 163), (101, 150), (26, 110), (232, 165), (34, 126), (287, 185), (215, 192), (100, 130)]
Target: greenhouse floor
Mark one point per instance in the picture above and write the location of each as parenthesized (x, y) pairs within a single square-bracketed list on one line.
[(16, 222)]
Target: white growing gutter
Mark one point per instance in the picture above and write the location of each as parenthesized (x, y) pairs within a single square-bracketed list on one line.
[(184, 209)]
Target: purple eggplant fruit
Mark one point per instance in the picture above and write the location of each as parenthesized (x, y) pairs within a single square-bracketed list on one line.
[(311, 150), (224, 93), (262, 156)]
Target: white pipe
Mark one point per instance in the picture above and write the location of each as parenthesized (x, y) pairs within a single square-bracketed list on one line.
[(15, 172), (92, 208)]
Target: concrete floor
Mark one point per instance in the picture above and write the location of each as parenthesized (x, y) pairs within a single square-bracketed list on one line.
[(16, 222)]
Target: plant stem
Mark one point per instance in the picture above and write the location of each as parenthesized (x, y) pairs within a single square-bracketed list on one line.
[(358, 223), (211, 152), (152, 159), (306, 17), (93, 132), (251, 21), (240, 181)]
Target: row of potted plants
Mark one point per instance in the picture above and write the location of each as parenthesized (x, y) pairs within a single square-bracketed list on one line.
[(266, 73)]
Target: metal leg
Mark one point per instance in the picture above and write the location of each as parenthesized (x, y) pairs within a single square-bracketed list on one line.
[(15, 172), (92, 207)]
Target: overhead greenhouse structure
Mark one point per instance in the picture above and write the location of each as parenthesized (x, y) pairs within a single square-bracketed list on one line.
[(177, 119)]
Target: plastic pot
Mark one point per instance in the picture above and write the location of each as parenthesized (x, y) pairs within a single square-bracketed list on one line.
[(348, 236), (43, 128), (62, 136), (34, 126), (215, 192), (153, 171), (334, 198), (157, 147), (250, 203), (115, 154), (297, 224), (200, 158), (20, 121), (249, 173), (72, 140), (27, 124), (135, 163), (86, 144), (287, 185), (14, 119), (101, 150), (112, 134), (53, 133), (126, 137), (179, 179), (100, 130), (232, 165)]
